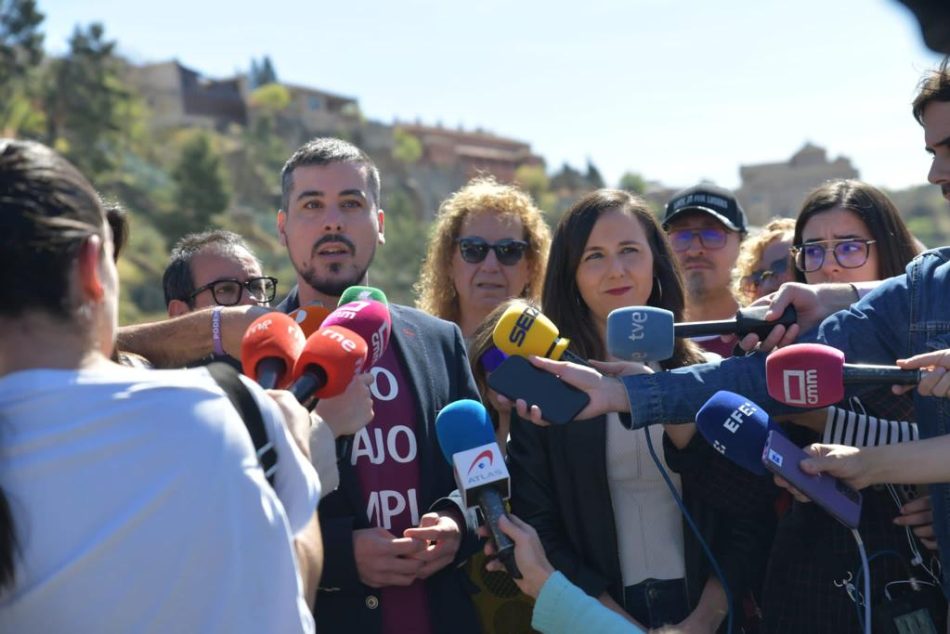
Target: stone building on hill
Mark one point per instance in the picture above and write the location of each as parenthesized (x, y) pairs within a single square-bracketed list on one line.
[(778, 189)]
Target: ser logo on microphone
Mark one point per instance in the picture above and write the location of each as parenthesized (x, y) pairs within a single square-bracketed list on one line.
[(519, 331), (800, 387)]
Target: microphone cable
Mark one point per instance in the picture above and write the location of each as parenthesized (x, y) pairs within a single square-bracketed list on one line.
[(692, 525), (865, 567)]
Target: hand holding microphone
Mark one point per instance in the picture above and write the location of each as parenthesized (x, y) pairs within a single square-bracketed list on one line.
[(646, 333), (745, 434), (934, 382), (812, 375), (467, 440)]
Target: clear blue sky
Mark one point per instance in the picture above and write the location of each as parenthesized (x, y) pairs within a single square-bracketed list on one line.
[(677, 90)]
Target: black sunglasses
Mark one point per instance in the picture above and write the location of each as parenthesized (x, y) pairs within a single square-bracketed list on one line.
[(508, 251), (755, 279), (229, 292)]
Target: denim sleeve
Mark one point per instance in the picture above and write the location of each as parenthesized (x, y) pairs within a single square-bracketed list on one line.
[(875, 330)]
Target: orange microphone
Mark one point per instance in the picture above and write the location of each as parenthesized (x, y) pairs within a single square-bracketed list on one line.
[(269, 349), (310, 317), (330, 359)]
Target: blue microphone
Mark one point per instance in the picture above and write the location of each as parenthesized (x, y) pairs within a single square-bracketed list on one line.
[(737, 428), (646, 333), (467, 439), (640, 333)]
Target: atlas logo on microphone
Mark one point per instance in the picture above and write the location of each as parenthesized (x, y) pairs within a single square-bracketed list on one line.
[(521, 327), (478, 467), (482, 461), (800, 387)]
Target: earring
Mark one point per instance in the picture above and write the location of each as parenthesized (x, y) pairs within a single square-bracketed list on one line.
[(658, 288)]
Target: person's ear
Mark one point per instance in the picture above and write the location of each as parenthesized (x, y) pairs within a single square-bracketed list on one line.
[(178, 307), (281, 222), (381, 222), (88, 261)]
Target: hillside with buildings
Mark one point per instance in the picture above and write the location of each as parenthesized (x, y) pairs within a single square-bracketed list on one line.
[(181, 151)]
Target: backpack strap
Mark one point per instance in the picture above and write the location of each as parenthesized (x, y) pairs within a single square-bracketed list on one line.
[(229, 381)]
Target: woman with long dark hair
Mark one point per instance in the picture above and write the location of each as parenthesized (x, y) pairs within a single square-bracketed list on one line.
[(591, 490)]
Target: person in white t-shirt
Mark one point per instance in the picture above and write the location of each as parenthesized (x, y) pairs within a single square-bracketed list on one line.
[(130, 500)]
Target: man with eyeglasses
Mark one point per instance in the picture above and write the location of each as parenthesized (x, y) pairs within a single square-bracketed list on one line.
[(214, 268), (706, 225)]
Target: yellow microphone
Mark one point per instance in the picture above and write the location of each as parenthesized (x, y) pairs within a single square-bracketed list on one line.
[(523, 330), (310, 317)]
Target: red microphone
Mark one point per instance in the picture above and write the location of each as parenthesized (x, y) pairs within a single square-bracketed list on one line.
[(370, 320), (269, 348), (328, 362), (813, 375), (310, 317)]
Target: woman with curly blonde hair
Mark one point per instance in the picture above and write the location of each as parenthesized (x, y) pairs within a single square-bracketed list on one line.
[(490, 242), (764, 261)]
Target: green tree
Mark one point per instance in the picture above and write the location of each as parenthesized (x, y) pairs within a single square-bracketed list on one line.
[(21, 51), (534, 180), (201, 189), (407, 149), (593, 177), (633, 183), (262, 73), (21, 42), (87, 104), (397, 263)]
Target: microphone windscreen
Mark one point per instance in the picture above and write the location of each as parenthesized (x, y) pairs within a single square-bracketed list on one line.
[(640, 333), (370, 320), (805, 375), (736, 427), (492, 358), (310, 317), (339, 352), (522, 330), (463, 425), (271, 336), (362, 293)]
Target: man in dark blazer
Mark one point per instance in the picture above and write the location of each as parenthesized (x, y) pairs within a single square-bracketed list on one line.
[(394, 531)]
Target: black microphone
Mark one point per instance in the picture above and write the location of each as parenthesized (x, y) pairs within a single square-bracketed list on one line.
[(747, 321)]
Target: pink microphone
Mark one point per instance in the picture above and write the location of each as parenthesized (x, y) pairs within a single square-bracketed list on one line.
[(812, 375), (370, 320)]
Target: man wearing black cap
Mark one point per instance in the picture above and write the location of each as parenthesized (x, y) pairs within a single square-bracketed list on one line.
[(706, 225)]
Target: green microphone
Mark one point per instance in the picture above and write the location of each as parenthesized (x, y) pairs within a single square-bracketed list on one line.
[(362, 294)]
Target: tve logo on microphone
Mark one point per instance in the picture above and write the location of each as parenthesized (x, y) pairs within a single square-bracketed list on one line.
[(800, 387), (638, 319)]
